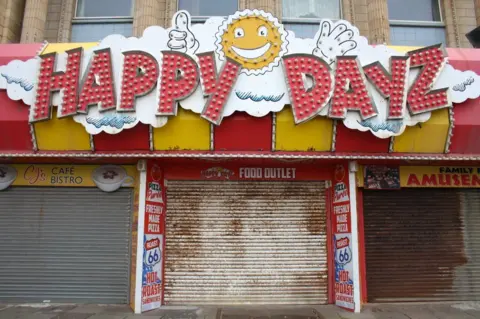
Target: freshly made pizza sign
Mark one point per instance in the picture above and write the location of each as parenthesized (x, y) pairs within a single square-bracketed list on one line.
[(246, 62)]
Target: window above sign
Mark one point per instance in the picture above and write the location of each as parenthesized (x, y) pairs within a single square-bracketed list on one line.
[(303, 16), (416, 22), (201, 10), (95, 19)]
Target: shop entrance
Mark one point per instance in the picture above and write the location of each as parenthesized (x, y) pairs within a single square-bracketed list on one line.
[(65, 245), (422, 244), (236, 242)]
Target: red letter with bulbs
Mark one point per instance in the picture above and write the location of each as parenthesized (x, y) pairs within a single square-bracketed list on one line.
[(50, 81)]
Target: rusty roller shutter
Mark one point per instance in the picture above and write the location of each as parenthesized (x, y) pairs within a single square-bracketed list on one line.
[(245, 243), (422, 245)]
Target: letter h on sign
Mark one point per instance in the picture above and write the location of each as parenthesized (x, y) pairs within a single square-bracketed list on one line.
[(50, 81)]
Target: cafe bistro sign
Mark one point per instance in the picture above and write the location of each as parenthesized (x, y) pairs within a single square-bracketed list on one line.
[(246, 62)]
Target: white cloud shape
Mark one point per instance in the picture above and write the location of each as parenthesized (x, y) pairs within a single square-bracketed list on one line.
[(19, 79), (462, 85)]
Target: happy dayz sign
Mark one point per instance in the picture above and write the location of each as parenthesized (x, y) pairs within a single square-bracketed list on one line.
[(246, 62)]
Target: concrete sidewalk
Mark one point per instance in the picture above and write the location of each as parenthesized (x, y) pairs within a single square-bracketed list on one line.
[(372, 311)]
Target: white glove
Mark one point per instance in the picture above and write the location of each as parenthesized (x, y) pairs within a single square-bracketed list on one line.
[(334, 39), (181, 37)]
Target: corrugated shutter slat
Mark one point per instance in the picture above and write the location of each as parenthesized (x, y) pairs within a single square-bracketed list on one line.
[(422, 244), (64, 245), (245, 243)]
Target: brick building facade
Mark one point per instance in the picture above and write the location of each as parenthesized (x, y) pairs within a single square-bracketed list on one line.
[(382, 21)]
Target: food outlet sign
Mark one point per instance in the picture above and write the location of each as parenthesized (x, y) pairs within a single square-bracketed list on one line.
[(246, 62)]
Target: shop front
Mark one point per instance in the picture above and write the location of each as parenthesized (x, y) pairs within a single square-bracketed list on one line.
[(236, 233), (422, 234), (65, 232), (223, 163)]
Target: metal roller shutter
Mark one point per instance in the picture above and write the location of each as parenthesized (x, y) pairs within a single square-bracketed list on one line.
[(64, 245), (422, 245), (245, 243)]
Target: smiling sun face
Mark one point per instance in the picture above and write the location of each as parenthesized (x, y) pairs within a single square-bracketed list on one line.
[(255, 41)]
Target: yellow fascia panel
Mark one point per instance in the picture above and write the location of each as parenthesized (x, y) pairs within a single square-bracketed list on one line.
[(428, 137), (313, 135), (61, 135), (186, 131)]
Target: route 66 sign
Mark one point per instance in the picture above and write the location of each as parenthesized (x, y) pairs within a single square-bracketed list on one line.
[(343, 253), (153, 254)]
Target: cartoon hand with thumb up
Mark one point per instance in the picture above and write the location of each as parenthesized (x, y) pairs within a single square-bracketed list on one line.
[(181, 37)]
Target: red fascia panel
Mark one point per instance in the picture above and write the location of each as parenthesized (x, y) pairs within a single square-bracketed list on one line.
[(348, 140), (14, 128), (23, 52), (457, 59), (134, 139), (242, 132), (466, 132), (472, 57)]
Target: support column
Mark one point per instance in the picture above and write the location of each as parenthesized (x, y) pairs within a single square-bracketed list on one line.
[(343, 216), (352, 179), (272, 6), (378, 22), (477, 11), (34, 21), (11, 17), (449, 12), (142, 168), (67, 13), (356, 12), (170, 10), (147, 13)]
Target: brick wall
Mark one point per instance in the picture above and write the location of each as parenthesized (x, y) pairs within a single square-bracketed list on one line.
[(467, 20), (52, 26), (459, 17)]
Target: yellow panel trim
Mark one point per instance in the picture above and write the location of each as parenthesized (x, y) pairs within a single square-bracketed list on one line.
[(314, 135), (186, 131), (428, 137), (61, 47), (403, 49)]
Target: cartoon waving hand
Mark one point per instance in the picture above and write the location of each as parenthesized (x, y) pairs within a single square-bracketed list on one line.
[(335, 39), (181, 37)]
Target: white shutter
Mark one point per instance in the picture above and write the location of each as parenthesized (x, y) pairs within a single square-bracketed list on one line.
[(245, 243)]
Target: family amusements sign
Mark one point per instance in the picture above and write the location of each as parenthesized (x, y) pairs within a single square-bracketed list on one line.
[(246, 62)]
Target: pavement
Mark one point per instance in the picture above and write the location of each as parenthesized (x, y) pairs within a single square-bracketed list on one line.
[(465, 310)]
